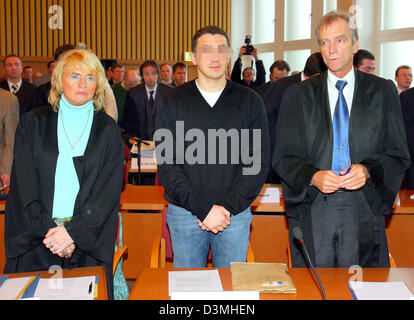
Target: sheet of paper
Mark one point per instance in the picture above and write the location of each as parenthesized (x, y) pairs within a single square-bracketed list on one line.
[(194, 281), (221, 295), (12, 287), (362, 290), (269, 195), (81, 288)]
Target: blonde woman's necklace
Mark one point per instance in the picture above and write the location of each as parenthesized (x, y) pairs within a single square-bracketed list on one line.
[(66, 134)]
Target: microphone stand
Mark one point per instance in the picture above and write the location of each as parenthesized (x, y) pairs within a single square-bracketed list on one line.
[(139, 143)]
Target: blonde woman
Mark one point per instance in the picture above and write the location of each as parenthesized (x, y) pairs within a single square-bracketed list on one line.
[(67, 176)]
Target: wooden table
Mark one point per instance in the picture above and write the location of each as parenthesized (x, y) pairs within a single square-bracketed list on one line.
[(77, 272), (152, 284), (152, 198)]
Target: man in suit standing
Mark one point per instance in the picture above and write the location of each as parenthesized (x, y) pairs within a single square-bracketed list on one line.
[(273, 97), (138, 119), (26, 93), (341, 155), (407, 108), (9, 117)]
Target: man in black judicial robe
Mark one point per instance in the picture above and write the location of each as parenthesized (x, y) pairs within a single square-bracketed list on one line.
[(407, 108), (29, 206), (303, 152)]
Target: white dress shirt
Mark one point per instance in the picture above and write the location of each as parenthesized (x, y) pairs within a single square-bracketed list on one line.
[(348, 90)]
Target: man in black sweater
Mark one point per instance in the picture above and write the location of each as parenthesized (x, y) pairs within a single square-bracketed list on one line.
[(213, 154)]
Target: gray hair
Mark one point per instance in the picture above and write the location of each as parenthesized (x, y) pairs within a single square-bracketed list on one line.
[(332, 16)]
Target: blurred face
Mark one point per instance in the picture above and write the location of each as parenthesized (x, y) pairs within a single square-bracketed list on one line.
[(118, 75), (28, 73), (367, 66), (211, 57), (131, 79), (336, 47), (248, 75), (36, 75), (78, 86), (52, 66), (278, 74), (404, 78), (180, 75), (150, 76), (13, 68), (165, 73)]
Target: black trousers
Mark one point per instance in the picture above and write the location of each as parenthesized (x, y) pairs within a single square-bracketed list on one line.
[(40, 258), (337, 231)]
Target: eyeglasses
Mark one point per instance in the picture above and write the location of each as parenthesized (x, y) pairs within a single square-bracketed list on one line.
[(211, 50)]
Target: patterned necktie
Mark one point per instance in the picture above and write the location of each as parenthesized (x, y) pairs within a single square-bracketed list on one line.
[(151, 99), (340, 152), (14, 89)]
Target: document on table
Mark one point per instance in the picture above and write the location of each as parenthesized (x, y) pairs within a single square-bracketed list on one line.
[(11, 287), (362, 290), (194, 281), (80, 288), (269, 195)]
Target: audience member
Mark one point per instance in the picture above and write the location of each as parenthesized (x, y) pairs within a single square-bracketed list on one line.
[(179, 74), (9, 118), (248, 73), (274, 95), (28, 74), (118, 72), (121, 89), (138, 119), (403, 77), (26, 93), (407, 108), (209, 202), (46, 77), (166, 73), (66, 179), (340, 175), (364, 61), (278, 70)]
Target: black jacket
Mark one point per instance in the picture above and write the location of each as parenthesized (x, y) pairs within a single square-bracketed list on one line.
[(29, 205), (304, 146)]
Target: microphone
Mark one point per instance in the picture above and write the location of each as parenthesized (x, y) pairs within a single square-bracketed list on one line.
[(297, 232)]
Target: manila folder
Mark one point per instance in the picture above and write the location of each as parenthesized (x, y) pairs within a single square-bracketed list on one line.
[(263, 277)]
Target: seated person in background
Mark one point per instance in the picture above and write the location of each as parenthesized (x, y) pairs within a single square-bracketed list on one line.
[(248, 73), (28, 74), (66, 178), (138, 119), (278, 70), (118, 71), (121, 89), (364, 61), (179, 74), (9, 117), (51, 65), (403, 77)]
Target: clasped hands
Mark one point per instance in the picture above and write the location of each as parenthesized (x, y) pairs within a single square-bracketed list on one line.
[(328, 182), (216, 221), (59, 242)]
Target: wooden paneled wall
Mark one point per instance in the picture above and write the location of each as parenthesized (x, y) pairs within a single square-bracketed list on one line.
[(113, 29)]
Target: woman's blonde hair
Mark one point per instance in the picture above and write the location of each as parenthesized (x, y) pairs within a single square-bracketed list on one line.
[(85, 60)]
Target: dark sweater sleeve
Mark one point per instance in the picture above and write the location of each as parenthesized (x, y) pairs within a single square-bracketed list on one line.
[(260, 73), (255, 156), (170, 173), (236, 72)]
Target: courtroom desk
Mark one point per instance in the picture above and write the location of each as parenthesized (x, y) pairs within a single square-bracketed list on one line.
[(406, 205), (152, 284), (142, 198), (74, 273)]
